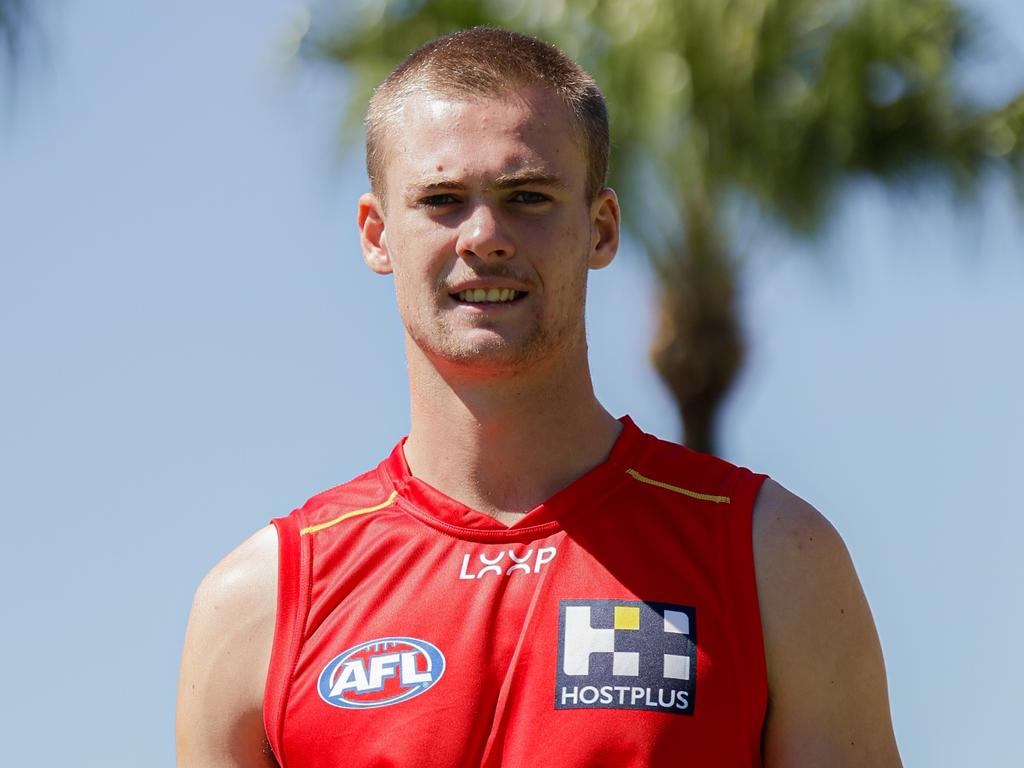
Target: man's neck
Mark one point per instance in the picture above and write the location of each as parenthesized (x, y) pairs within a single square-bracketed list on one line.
[(503, 445)]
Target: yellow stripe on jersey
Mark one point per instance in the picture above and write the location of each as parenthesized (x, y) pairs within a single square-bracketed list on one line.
[(685, 492), (341, 518)]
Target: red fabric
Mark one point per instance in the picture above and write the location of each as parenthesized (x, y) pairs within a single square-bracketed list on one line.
[(620, 542)]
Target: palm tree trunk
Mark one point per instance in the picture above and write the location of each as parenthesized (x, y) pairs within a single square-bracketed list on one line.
[(698, 349)]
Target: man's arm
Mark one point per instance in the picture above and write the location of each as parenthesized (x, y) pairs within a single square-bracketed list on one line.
[(828, 703), (224, 664)]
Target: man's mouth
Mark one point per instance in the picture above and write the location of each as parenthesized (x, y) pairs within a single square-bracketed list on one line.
[(487, 295)]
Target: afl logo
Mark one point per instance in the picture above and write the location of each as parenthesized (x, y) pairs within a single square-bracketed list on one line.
[(381, 672)]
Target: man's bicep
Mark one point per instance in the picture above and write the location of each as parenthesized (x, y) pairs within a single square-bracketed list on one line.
[(828, 700), (225, 660)]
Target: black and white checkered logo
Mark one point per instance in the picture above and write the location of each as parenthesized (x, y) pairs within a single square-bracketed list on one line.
[(620, 654)]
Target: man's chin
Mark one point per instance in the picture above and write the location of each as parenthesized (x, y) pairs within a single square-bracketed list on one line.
[(489, 359), (485, 356)]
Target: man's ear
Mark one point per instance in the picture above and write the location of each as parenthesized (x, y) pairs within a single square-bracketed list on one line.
[(604, 228), (371, 234)]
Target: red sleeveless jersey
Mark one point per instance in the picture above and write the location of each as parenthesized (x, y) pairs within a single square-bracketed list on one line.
[(614, 625)]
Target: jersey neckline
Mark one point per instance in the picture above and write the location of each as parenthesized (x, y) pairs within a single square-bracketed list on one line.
[(441, 511)]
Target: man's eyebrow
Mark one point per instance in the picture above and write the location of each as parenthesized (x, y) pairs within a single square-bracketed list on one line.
[(431, 183), (529, 178)]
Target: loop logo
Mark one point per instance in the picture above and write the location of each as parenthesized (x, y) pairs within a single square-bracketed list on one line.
[(525, 563), (620, 654), (381, 672)]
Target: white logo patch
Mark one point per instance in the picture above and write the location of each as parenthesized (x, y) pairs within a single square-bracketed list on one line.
[(506, 562)]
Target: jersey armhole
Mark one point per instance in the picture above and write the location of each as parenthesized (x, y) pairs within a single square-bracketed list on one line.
[(753, 668), (292, 605)]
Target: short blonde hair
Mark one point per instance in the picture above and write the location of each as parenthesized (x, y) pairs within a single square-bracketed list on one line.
[(486, 61)]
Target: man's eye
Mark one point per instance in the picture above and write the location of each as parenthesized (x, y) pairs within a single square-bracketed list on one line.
[(434, 201), (525, 196)]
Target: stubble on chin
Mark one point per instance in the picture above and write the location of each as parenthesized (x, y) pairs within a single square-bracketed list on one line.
[(482, 347), (491, 345)]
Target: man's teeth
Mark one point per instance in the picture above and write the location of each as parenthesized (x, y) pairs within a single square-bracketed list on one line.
[(478, 295)]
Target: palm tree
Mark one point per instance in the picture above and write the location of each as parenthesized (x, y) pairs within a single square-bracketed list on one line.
[(18, 35), (13, 17), (720, 104)]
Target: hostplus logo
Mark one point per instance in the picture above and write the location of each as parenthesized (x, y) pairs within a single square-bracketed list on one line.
[(618, 654)]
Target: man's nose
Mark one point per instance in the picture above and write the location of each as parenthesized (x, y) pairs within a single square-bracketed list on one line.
[(483, 235)]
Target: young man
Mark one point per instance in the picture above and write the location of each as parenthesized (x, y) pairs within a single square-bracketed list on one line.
[(525, 580)]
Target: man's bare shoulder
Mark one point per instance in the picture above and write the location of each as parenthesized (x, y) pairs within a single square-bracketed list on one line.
[(828, 699), (245, 579), (791, 538), (225, 660)]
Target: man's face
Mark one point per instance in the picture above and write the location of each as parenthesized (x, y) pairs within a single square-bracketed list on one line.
[(487, 228)]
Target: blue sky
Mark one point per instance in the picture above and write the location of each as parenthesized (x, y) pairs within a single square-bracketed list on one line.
[(191, 345)]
